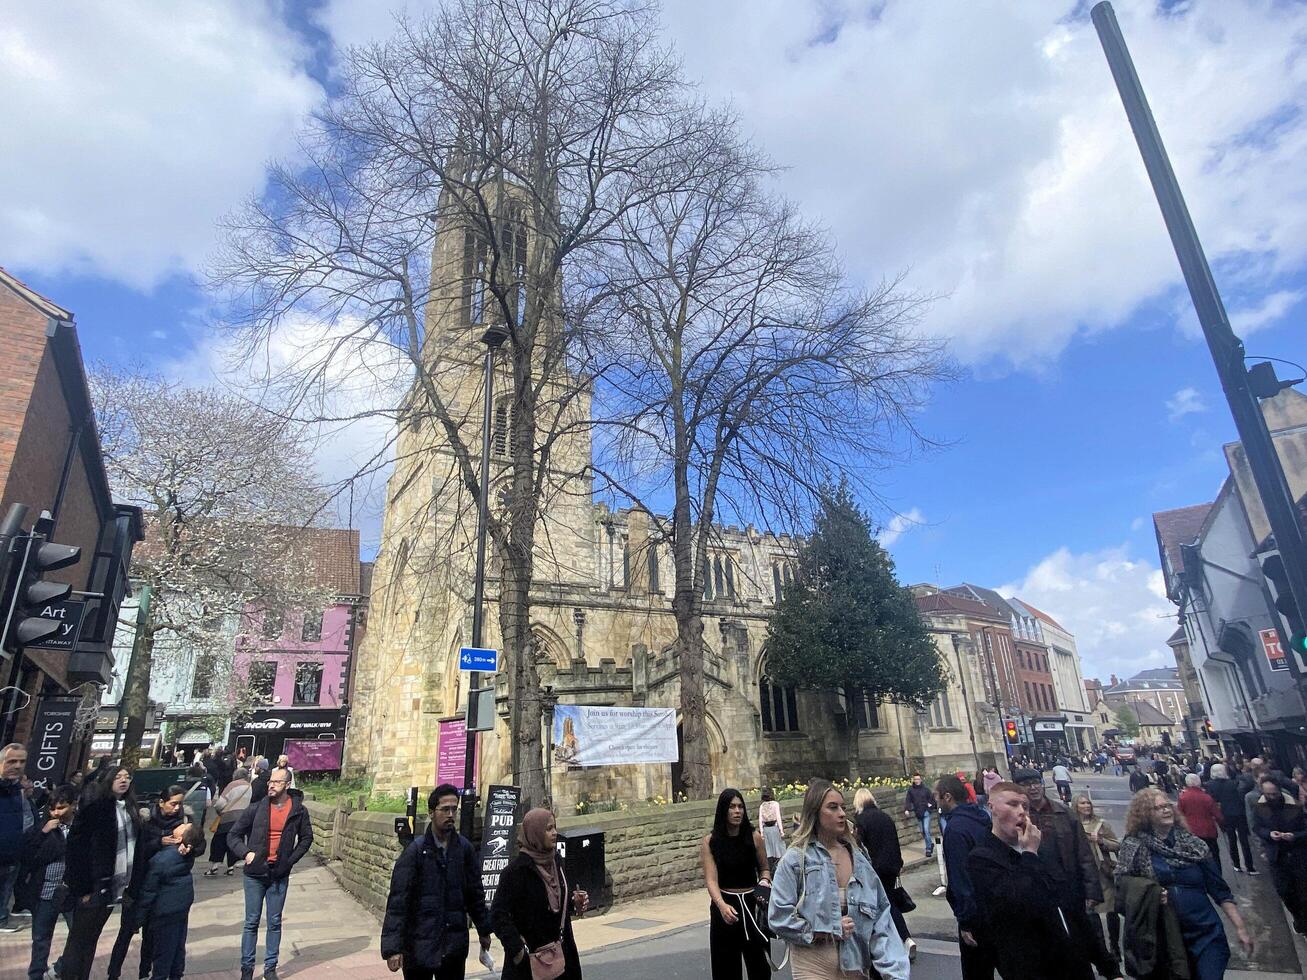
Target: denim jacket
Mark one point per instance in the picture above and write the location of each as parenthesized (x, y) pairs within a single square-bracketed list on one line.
[(805, 899)]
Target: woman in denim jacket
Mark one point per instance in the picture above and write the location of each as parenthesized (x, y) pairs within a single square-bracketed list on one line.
[(828, 903)]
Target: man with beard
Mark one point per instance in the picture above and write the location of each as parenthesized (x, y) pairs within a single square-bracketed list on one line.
[(1279, 821)]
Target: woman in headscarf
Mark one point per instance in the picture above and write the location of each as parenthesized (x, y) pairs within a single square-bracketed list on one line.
[(533, 909), (1159, 851)]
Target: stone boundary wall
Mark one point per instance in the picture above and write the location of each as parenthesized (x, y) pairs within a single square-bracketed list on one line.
[(647, 853)]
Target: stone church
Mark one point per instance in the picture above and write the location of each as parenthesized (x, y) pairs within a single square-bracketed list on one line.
[(603, 623)]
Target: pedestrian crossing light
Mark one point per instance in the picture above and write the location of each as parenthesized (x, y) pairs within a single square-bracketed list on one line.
[(34, 618), (1012, 735), (1295, 627)]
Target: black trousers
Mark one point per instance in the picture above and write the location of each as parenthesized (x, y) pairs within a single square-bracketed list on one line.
[(168, 961), (728, 945), (451, 968), (1290, 877), (1213, 845), (1090, 927), (83, 934), (1237, 827), (129, 925), (978, 962)]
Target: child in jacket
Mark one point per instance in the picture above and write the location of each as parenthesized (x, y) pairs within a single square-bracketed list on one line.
[(165, 904)]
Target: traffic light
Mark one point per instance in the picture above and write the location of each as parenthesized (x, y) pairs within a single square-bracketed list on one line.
[(1011, 729), (32, 596), (1295, 627)]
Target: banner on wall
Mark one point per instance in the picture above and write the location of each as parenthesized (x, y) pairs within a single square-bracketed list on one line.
[(314, 755), (586, 736)]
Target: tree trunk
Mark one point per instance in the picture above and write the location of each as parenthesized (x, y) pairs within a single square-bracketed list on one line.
[(135, 701), (696, 769)]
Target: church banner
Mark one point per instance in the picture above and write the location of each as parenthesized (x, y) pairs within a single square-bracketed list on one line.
[(585, 736)]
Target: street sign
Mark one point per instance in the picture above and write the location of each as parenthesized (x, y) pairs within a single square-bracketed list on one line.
[(1274, 649), (68, 613), (477, 658), (499, 836)]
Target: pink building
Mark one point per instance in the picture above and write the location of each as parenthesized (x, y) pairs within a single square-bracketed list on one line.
[(298, 661)]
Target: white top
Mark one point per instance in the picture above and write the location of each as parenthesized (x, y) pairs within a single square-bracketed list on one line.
[(1061, 774)]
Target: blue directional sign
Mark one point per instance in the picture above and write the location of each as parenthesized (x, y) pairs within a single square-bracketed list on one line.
[(475, 658)]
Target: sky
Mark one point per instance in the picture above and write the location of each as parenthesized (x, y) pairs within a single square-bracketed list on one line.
[(978, 147)]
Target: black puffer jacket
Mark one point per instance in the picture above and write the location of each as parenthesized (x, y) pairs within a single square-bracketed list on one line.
[(93, 849), (432, 894), (1229, 795)]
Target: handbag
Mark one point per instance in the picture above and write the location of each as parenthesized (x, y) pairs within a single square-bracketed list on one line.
[(549, 961), (900, 898)]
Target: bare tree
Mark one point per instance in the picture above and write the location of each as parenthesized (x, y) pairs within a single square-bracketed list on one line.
[(224, 485), (747, 375), (507, 139)]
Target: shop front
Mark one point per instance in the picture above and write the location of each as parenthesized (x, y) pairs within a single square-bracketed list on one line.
[(271, 732)]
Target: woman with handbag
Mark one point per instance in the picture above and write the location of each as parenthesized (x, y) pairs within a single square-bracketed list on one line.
[(735, 868), (1103, 844), (880, 839), (229, 805), (532, 911), (827, 901)]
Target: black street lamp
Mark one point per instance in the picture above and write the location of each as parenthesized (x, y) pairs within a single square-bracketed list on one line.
[(493, 338)]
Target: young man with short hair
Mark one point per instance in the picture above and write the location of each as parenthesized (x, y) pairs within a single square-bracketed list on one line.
[(1017, 895), (920, 803), (968, 825), (273, 834), (434, 888)]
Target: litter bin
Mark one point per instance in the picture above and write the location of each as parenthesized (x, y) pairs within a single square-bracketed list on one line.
[(582, 849)]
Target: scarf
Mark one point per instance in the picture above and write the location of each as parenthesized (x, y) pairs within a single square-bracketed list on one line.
[(533, 842), (1179, 849), (122, 866)]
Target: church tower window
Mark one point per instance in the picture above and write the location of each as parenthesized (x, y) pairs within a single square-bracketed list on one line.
[(653, 570)]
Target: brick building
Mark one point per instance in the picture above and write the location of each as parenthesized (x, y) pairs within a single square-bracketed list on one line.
[(50, 461)]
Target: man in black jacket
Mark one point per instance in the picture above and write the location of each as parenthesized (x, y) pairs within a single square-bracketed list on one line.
[(273, 834), (1017, 896), (968, 826), (434, 888), (920, 804)]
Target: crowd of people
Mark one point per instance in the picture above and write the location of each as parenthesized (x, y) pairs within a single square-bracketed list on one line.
[(87, 848), (1039, 883)]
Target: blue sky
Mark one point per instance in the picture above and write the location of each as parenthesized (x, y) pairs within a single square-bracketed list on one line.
[(978, 146)]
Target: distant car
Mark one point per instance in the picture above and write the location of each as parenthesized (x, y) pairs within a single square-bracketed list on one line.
[(1125, 755)]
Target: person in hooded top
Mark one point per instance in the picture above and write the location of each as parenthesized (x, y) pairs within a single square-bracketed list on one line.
[(532, 908), (1279, 821)]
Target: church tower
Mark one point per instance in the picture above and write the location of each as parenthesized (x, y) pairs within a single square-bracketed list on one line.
[(407, 680)]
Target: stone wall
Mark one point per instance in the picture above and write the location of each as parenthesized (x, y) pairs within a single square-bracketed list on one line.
[(647, 853)]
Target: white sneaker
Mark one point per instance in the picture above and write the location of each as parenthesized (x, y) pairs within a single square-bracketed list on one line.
[(939, 891), (912, 950), (24, 914), (12, 924)]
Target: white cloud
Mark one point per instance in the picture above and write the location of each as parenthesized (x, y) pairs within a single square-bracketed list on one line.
[(1114, 604), (130, 127), (1186, 401), (899, 523), (1265, 313)]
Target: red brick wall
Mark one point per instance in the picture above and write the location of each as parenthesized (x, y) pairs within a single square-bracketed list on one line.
[(1034, 674), (22, 338)]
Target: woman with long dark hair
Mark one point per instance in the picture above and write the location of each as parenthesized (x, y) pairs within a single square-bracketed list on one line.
[(734, 865), (103, 864)]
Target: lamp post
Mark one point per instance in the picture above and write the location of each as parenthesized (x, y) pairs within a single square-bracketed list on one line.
[(493, 338)]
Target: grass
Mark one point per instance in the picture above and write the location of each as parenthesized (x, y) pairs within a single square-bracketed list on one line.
[(331, 790)]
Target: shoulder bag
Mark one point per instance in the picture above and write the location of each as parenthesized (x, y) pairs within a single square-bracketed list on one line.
[(549, 961), (900, 898)]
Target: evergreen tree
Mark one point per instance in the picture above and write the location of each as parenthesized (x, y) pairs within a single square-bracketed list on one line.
[(1127, 721), (847, 620)]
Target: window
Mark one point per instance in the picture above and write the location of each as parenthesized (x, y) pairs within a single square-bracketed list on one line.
[(707, 579), (776, 582), (263, 679), (941, 715), (863, 708), (500, 433), (312, 631), (1030, 701), (474, 277), (626, 563), (779, 705), (718, 580), (476, 269), (730, 578), (206, 665), (653, 570), (274, 621), (308, 683)]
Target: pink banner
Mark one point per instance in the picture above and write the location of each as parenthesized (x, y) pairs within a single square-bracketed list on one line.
[(451, 753), (314, 755)]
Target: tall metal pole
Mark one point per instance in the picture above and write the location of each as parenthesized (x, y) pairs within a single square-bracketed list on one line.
[(142, 618), (1227, 349), (494, 337)]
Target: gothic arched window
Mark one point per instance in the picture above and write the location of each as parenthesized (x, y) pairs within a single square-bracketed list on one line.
[(778, 704), (653, 569)]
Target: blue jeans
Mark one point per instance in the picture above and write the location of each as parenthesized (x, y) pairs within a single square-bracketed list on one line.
[(258, 891), (44, 917), (925, 833), (8, 878)]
